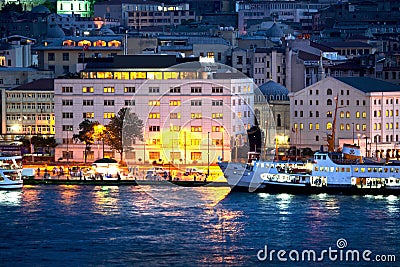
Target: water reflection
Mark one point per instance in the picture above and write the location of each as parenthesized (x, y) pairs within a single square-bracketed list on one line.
[(392, 204), (68, 194), (10, 198), (171, 195), (106, 200)]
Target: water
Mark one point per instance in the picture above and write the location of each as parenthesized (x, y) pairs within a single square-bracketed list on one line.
[(125, 226)]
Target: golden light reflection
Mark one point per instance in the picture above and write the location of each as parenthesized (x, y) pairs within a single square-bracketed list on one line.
[(393, 204), (67, 194), (106, 199)]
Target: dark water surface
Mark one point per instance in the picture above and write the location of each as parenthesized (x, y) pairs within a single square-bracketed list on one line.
[(125, 226)]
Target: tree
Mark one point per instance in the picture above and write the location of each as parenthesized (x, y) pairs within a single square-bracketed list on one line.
[(86, 134), (123, 130)]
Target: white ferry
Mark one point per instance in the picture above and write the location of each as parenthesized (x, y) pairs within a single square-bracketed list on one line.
[(329, 172), (11, 172)]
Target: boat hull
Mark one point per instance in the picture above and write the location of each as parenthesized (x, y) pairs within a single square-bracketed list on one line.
[(11, 186), (309, 190)]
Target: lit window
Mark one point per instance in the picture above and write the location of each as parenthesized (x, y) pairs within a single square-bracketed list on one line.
[(196, 129), (87, 89), (109, 115), (175, 115), (217, 115), (216, 128), (174, 102), (196, 116), (109, 90), (154, 115), (154, 102)]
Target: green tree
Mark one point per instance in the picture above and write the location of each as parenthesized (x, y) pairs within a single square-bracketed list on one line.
[(123, 130), (43, 142), (86, 134)]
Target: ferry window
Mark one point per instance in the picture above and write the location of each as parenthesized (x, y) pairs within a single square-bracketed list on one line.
[(316, 168), (342, 170), (321, 169), (385, 170), (355, 169), (324, 157), (369, 169), (337, 169), (362, 169), (391, 169), (327, 169), (347, 169), (397, 170), (380, 169), (332, 169), (375, 170)]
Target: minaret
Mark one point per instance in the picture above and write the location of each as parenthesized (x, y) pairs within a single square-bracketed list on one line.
[(321, 71)]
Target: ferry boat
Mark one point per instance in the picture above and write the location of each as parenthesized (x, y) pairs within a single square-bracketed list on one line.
[(327, 173), (11, 172)]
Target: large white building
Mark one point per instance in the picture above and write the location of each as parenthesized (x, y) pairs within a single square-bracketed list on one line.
[(192, 113), (367, 114)]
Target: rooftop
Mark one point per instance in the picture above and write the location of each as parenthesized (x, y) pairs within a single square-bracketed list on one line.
[(369, 85)]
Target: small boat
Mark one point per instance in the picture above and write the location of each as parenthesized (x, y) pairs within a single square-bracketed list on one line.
[(11, 172)]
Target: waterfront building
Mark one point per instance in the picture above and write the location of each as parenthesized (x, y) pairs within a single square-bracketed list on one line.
[(28, 109), (82, 8), (187, 110), (366, 114), (15, 51)]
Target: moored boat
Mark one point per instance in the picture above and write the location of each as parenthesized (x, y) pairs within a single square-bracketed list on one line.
[(10, 172)]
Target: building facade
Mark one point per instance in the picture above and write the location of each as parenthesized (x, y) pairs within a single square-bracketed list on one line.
[(366, 114), (29, 109), (192, 113)]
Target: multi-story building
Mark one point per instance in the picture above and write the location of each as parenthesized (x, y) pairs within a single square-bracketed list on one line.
[(366, 114), (187, 109), (67, 55), (28, 109), (140, 14), (82, 8), (293, 11), (15, 51)]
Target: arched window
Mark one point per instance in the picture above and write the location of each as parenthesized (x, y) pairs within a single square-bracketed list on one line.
[(278, 121), (329, 126), (317, 138), (341, 114), (329, 102), (329, 91)]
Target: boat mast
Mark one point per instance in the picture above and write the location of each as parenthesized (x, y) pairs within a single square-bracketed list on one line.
[(331, 137)]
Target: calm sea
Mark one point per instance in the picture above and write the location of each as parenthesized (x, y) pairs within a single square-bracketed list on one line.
[(157, 226)]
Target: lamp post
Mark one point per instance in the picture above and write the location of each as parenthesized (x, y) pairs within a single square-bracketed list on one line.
[(366, 145), (376, 145), (353, 133), (208, 154), (358, 139)]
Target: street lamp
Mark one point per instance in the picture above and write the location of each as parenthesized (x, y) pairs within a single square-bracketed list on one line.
[(366, 145), (208, 154), (376, 145)]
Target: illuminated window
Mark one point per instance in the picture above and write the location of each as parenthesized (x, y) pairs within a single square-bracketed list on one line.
[(357, 127), (217, 115), (175, 128), (154, 115), (329, 126), (154, 102), (109, 90), (175, 115), (341, 126), (210, 54), (347, 127), (154, 155), (379, 113), (217, 142), (109, 115), (348, 114), (88, 115), (174, 102), (239, 114), (310, 126), (358, 114), (196, 115), (329, 114), (129, 89), (195, 129), (317, 126), (155, 141), (195, 142), (342, 114), (216, 128), (86, 89)]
